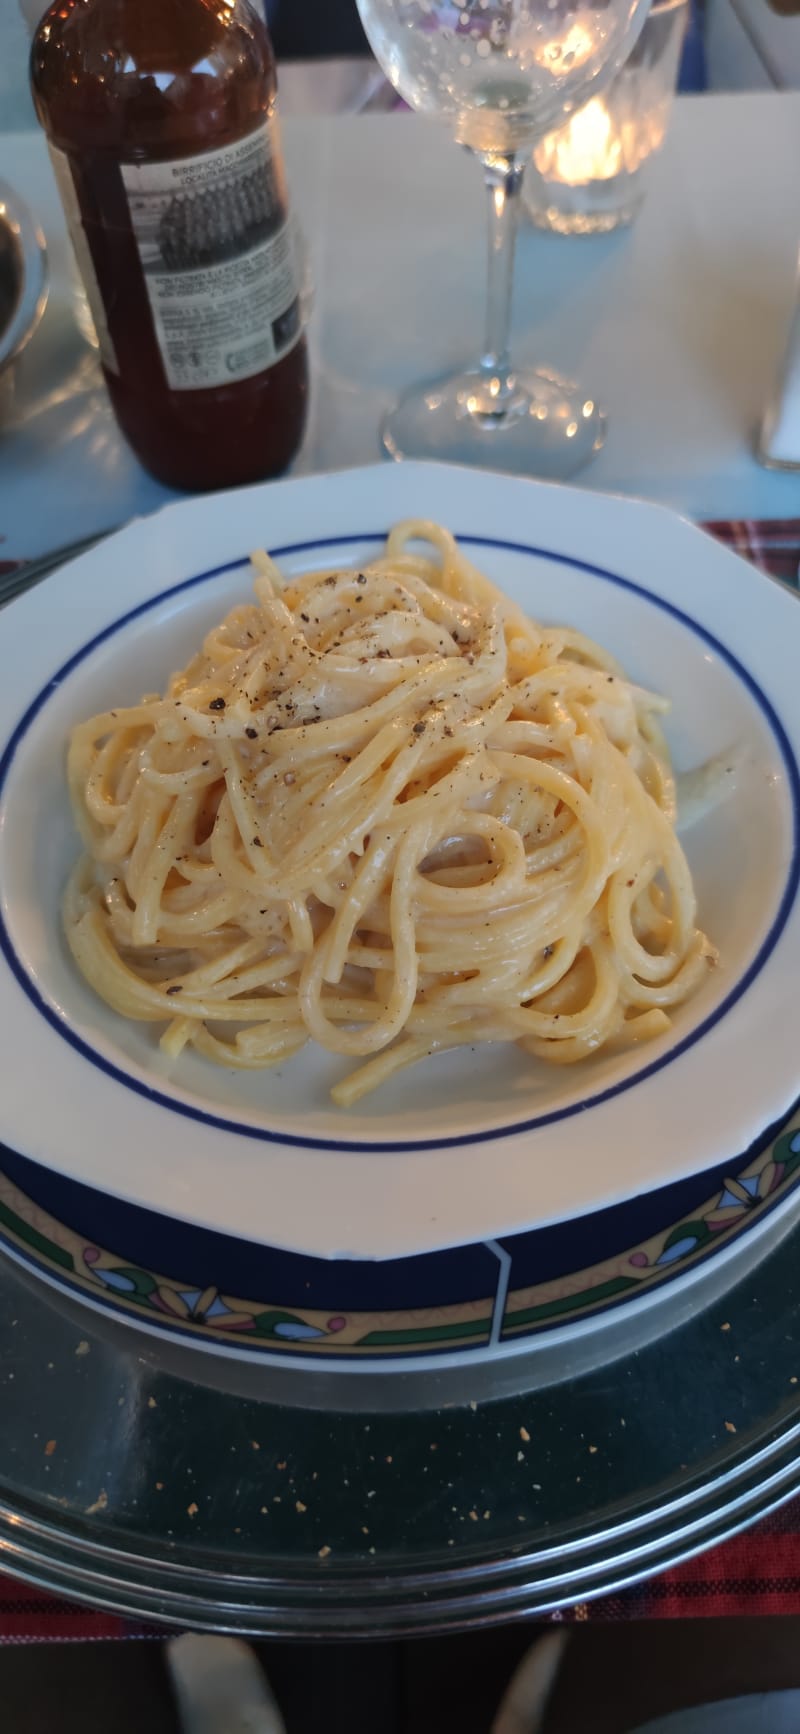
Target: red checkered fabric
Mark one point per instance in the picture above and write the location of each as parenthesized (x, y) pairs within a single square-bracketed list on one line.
[(757, 1572), (33, 1616), (772, 543)]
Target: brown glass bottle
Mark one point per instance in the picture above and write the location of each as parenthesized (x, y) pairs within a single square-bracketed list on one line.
[(160, 119)]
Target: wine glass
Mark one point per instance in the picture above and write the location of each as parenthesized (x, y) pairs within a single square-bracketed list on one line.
[(501, 74)]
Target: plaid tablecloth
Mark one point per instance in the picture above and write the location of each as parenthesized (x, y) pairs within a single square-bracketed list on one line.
[(771, 543), (755, 1573)]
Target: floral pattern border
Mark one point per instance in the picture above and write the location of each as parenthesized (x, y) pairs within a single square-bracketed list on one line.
[(207, 1313)]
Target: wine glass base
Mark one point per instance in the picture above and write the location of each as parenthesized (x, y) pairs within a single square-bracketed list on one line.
[(534, 424)]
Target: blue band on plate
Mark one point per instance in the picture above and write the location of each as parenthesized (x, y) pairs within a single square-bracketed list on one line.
[(263, 1133)]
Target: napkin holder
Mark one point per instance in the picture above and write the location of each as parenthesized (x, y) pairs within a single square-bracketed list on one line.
[(779, 436)]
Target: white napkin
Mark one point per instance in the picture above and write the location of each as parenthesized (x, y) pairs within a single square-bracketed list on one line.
[(220, 1688), (780, 431)]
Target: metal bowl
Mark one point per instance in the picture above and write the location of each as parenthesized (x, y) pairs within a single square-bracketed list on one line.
[(23, 275)]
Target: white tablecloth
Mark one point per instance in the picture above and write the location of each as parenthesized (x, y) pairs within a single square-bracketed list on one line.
[(676, 325)]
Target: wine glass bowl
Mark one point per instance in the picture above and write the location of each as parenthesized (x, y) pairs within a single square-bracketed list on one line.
[(501, 74)]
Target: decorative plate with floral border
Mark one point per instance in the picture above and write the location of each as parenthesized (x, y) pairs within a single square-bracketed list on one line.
[(521, 1287)]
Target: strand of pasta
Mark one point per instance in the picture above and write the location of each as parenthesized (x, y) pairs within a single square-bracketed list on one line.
[(384, 809)]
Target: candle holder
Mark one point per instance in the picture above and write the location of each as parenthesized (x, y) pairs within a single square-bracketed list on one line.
[(591, 175)]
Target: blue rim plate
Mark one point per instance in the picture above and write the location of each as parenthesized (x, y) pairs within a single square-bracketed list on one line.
[(484, 1151)]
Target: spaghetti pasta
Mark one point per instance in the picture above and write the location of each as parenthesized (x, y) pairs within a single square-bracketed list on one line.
[(384, 809)]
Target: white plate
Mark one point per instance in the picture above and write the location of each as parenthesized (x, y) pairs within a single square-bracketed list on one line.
[(474, 1145)]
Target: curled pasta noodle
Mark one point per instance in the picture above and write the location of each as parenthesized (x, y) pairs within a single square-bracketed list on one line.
[(383, 809)]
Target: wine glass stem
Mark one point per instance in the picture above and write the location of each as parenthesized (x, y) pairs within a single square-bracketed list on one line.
[(503, 184)]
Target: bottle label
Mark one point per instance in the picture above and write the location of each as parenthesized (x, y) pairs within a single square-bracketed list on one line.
[(218, 258), (83, 257)]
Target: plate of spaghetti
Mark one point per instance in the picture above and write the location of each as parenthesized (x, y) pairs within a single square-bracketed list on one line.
[(398, 860)]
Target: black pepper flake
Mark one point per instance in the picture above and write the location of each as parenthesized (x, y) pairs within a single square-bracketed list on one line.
[(305, 618), (361, 578), (257, 843), (176, 989), (448, 731), (205, 763), (252, 734), (419, 728), (217, 704)]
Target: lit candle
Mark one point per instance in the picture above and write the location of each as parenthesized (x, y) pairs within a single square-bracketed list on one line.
[(596, 145), (589, 175), (589, 148)]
